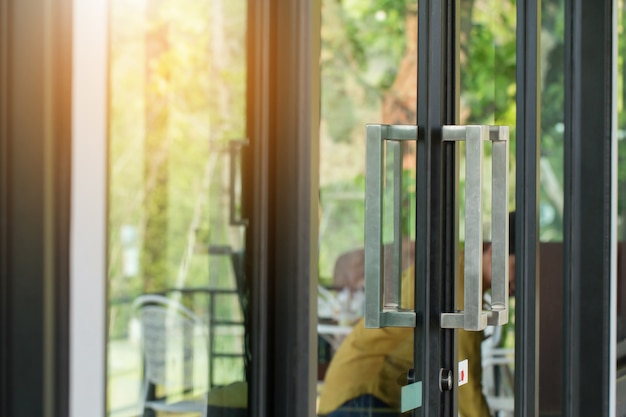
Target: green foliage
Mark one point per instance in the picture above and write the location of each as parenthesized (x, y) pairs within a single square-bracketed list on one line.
[(362, 42), (488, 69), (173, 79), (359, 64)]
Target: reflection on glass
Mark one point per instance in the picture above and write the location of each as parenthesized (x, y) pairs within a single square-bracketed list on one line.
[(369, 75), (487, 97), (487, 90), (552, 127), (175, 285)]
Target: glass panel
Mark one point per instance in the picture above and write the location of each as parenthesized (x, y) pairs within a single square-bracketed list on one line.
[(369, 75), (487, 97), (490, 98), (492, 37), (552, 123), (488, 71), (177, 123)]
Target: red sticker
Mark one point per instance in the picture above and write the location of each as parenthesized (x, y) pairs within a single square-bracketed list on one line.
[(463, 370)]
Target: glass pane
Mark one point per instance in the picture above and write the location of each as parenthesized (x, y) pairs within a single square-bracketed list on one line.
[(487, 97), (489, 77), (369, 75), (177, 123), (493, 101)]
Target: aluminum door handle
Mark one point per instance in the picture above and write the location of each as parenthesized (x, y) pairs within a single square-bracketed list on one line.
[(382, 305), (473, 317)]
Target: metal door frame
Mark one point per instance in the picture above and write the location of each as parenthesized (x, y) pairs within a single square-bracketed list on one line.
[(437, 208), (35, 161), (527, 208), (590, 261), (280, 197)]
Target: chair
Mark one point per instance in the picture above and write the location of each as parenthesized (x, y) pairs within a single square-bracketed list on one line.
[(497, 363), (172, 337)]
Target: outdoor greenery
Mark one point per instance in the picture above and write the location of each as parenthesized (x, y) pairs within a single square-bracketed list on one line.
[(177, 99), (365, 42)]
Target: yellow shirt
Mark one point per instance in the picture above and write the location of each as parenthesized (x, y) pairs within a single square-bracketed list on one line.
[(369, 361), (376, 362)]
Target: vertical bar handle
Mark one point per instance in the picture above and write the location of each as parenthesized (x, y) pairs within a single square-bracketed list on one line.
[(473, 317), (234, 148), (373, 225), (499, 136), (382, 305)]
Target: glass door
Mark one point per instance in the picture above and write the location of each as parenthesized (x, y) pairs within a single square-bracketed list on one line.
[(472, 63), (177, 294), (451, 64), (366, 78)]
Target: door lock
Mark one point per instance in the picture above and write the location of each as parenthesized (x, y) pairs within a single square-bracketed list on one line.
[(445, 380)]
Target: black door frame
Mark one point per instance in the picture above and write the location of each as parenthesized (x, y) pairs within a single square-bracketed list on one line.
[(527, 208), (589, 257), (590, 262), (281, 200), (437, 208), (35, 161)]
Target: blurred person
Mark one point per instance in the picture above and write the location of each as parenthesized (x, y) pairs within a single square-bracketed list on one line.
[(367, 372)]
